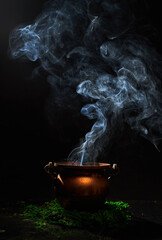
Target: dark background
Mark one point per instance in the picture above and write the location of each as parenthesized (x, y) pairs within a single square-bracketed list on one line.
[(29, 140)]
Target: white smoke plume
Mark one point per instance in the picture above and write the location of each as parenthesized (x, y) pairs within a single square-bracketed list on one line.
[(89, 46)]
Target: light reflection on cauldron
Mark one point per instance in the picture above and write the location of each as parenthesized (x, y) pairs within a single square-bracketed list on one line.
[(85, 180)]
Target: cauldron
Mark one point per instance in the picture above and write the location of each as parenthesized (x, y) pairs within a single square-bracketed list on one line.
[(81, 186)]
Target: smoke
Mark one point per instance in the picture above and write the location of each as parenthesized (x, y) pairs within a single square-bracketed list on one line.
[(89, 46)]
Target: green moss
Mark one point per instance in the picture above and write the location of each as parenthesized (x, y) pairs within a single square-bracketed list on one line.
[(114, 214)]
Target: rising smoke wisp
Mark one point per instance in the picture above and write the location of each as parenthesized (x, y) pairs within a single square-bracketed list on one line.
[(87, 45)]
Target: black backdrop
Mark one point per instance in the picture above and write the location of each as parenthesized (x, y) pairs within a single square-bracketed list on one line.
[(29, 140)]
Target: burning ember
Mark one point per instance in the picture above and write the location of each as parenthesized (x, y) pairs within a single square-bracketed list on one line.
[(89, 46)]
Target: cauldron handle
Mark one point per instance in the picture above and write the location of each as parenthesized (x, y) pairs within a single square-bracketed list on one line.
[(51, 170), (113, 171)]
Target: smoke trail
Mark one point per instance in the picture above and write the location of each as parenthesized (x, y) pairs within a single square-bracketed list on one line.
[(87, 45)]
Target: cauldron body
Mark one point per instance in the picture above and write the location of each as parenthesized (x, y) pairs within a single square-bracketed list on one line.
[(83, 187)]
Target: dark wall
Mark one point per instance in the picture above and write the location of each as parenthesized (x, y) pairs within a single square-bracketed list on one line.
[(29, 140)]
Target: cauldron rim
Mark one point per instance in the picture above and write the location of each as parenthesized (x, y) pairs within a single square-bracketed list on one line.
[(89, 165)]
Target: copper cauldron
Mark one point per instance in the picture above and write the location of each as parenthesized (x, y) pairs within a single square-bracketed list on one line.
[(79, 186)]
